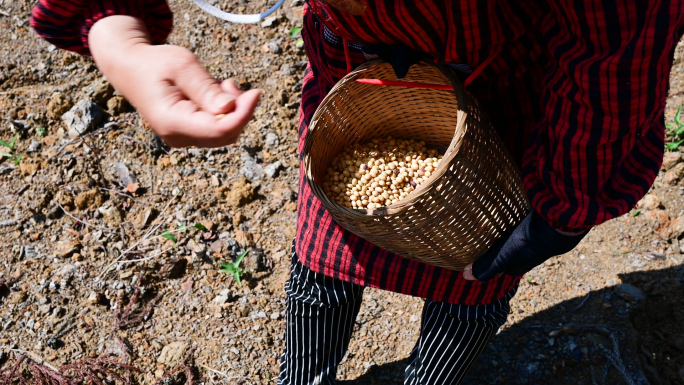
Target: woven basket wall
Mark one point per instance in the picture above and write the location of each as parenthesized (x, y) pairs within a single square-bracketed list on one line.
[(471, 199)]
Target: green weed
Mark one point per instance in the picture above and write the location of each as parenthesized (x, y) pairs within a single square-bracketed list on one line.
[(14, 158), (41, 131), (234, 268), (676, 131)]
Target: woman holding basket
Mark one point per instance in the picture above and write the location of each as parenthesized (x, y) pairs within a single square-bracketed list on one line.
[(577, 90)]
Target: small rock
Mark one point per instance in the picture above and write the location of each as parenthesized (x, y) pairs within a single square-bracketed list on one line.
[(83, 117), (241, 193), (95, 297), (67, 270), (112, 215), (102, 91), (64, 249), (675, 229), (250, 168), (172, 353), (255, 260), (670, 159), (174, 269), (117, 105), (269, 22), (125, 175), (649, 202), (244, 311), (88, 198), (209, 225), (673, 175), (629, 292), (34, 146), (272, 169), (272, 140), (275, 316), (187, 285), (244, 238), (58, 105), (274, 47), (18, 296), (238, 218)]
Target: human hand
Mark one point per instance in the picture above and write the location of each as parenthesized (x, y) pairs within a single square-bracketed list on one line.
[(527, 246), (169, 86)]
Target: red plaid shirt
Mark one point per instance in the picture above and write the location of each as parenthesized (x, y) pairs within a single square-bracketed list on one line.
[(576, 88)]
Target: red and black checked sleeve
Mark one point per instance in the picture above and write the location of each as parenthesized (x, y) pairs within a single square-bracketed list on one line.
[(601, 142), (66, 23)]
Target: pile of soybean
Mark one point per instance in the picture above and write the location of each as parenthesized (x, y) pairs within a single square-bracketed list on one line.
[(379, 173)]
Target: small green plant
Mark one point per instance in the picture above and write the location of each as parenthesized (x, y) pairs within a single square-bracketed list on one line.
[(14, 158), (676, 131), (234, 268), (299, 43), (169, 235), (9, 145), (636, 213), (41, 131), (296, 31)]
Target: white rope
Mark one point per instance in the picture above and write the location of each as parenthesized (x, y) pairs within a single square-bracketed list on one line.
[(234, 18)]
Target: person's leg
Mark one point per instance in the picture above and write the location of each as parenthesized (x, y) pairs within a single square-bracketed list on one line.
[(451, 339), (320, 318)]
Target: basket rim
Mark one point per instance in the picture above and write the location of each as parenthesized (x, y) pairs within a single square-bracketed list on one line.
[(451, 152)]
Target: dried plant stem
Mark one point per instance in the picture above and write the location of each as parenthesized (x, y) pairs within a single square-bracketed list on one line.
[(82, 221), (144, 237), (31, 355)]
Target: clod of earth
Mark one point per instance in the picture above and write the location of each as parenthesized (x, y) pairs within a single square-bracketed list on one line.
[(173, 353), (89, 198), (240, 193)]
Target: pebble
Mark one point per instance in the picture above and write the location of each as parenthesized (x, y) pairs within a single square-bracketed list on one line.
[(187, 285), (269, 22), (82, 117), (272, 169), (250, 168), (629, 292), (58, 105), (274, 47), (64, 249), (271, 140), (34, 146)]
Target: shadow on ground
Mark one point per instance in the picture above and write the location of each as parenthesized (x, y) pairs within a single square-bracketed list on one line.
[(611, 336)]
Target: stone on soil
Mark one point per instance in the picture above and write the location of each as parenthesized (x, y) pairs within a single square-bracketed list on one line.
[(112, 215), (250, 168), (272, 169), (65, 249), (102, 91), (58, 105), (83, 117), (117, 105), (629, 292), (673, 175), (172, 353), (670, 159), (649, 202)]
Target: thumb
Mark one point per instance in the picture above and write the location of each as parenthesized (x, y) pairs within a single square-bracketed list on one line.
[(201, 88)]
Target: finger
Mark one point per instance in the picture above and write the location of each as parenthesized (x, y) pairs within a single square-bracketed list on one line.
[(200, 87), (468, 273), (187, 126), (244, 110), (231, 87)]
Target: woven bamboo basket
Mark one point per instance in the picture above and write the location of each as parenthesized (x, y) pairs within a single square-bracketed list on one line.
[(470, 200)]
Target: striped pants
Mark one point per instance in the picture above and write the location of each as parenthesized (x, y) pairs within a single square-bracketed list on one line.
[(320, 318)]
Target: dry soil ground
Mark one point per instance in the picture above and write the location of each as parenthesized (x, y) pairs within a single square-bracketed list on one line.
[(609, 309)]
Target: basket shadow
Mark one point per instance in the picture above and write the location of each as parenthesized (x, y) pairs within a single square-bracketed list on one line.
[(538, 350)]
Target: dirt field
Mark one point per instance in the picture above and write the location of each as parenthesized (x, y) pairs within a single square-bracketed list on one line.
[(76, 246)]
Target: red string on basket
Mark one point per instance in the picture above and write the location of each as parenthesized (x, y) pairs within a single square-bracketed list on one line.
[(399, 83)]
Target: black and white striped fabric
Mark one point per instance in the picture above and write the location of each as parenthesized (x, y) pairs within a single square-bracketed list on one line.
[(320, 318)]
